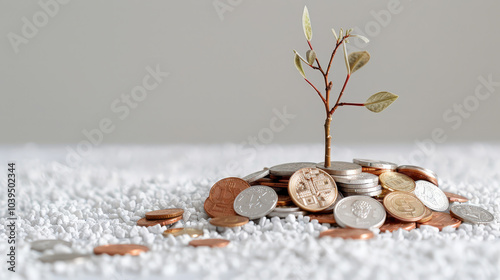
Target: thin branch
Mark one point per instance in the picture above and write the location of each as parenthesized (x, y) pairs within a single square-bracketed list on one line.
[(341, 93), (351, 104), (333, 54), (319, 93), (317, 61)]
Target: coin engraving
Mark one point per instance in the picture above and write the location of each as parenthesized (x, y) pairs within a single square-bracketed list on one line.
[(472, 214), (431, 196), (222, 194), (255, 202), (404, 206), (394, 181), (359, 212), (312, 189)]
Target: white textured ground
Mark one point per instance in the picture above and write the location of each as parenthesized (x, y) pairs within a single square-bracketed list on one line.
[(99, 200)]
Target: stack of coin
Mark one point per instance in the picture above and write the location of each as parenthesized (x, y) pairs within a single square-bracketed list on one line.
[(161, 217), (375, 167), (361, 184)]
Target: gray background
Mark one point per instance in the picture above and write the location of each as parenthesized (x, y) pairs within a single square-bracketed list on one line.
[(228, 71)]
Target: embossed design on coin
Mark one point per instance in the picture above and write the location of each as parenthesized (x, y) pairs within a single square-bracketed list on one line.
[(229, 221), (66, 257), (348, 233), (453, 197), (46, 244), (359, 212), (442, 220), (222, 194), (255, 202), (341, 168), (471, 214), (180, 231), (431, 196), (287, 169), (215, 242), (120, 249), (312, 189), (394, 181), (404, 206)]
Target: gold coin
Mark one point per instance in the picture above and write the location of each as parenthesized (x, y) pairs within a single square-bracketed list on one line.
[(312, 189), (427, 216), (394, 181), (180, 231), (229, 221), (404, 206)]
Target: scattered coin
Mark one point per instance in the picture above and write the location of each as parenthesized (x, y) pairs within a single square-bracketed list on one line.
[(359, 212), (312, 189), (471, 214), (48, 244), (395, 181), (392, 224), (287, 169), (442, 220), (404, 206), (341, 168), (453, 197), (120, 249), (229, 221), (149, 223), (222, 194), (256, 175), (348, 233), (181, 231), (215, 242), (164, 214), (375, 163), (323, 218), (418, 173), (427, 216), (255, 202), (431, 196), (66, 257)]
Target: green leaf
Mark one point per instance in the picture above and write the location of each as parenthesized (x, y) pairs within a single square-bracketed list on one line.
[(301, 58), (358, 60), (298, 64), (311, 56), (306, 24), (379, 101)]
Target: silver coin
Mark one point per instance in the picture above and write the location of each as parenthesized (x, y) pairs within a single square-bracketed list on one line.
[(250, 178), (287, 169), (341, 168), (356, 186), (374, 193), (471, 214), (286, 209), (431, 196), (424, 170), (255, 202), (285, 214), (362, 190), (375, 163), (46, 244), (63, 257), (359, 212), (361, 178)]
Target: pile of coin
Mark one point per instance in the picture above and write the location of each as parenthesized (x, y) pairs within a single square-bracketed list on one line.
[(161, 217), (362, 194)]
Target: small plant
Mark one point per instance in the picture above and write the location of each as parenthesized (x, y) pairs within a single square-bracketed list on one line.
[(353, 61)]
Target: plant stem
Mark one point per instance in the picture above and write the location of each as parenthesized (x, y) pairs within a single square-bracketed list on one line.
[(320, 95), (340, 94), (351, 104), (328, 139)]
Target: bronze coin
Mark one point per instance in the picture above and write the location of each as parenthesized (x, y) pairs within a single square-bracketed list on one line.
[(180, 231), (229, 221), (120, 249), (324, 218), (427, 216), (392, 224), (222, 194), (417, 174), (312, 189), (149, 223), (284, 200), (348, 233), (164, 214), (404, 206), (215, 242), (441, 220), (274, 184), (394, 181), (453, 197)]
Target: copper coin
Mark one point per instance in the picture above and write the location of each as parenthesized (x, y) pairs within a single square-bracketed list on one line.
[(418, 173), (404, 206), (312, 189), (427, 216), (222, 194), (149, 223), (120, 249), (323, 218), (392, 224), (164, 214), (180, 231), (274, 177), (284, 200), (229, 221), (274, 184), (453, 197), (348, 233), (209, 242), (442, 220), (395, 181)]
